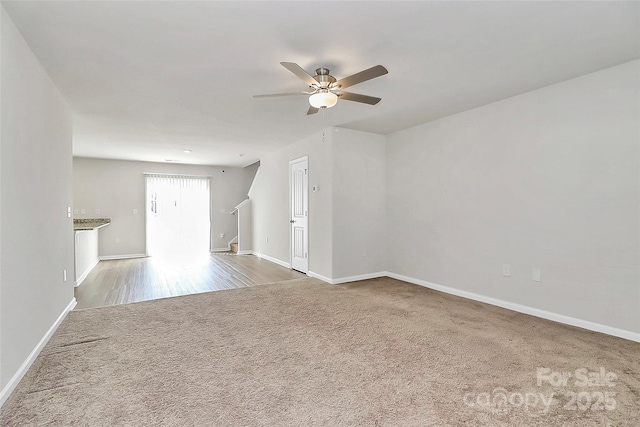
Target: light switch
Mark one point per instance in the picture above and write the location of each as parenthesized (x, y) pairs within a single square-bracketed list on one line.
[(536, 275), (221, 210), (83, 211), (135, 211), (97, 211), (506, 269), (315, 188)]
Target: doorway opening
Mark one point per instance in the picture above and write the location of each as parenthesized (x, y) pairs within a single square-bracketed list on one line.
[(178, 216)]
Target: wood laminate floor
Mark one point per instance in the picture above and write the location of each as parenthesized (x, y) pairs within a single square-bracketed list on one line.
[(141, 279)]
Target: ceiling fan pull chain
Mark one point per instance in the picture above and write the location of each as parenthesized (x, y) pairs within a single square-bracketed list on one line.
[(323, 125)]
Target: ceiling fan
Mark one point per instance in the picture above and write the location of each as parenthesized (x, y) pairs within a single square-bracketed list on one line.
[(324, 89)]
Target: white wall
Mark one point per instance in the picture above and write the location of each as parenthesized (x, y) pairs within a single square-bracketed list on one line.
[(248, 176), (245, 236), (346, 215), (117, 187), (270, 203), (36, 237), (358, 203), (547, 179)]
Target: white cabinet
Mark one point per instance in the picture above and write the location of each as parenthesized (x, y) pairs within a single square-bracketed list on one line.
[(86, 253), (86, 245)]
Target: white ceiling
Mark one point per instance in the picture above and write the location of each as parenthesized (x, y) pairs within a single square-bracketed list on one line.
[(146, 80)]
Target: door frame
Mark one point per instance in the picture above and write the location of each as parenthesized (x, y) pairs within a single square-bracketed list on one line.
[(306, 240)]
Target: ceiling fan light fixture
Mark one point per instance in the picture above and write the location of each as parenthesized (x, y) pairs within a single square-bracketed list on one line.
[(326, 89), (323, 99)]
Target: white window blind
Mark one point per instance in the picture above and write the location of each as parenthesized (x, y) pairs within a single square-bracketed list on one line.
[(178, 214)]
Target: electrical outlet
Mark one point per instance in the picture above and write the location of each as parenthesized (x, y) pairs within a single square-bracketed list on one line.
[(364, 252), (75, 211), (97, 211), (83, 211), (117, 240), (135, 211), (222, 235), (222, 210), (506, 269)]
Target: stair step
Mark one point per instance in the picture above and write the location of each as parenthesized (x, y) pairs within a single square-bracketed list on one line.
[(234, 248)]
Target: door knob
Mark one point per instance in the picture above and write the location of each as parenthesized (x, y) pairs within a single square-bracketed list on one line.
[(292, 221)]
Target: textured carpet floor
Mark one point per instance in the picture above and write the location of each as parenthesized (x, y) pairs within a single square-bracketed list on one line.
[(303, 353)]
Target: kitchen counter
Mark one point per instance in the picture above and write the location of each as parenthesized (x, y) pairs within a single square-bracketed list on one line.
[(86, 224)]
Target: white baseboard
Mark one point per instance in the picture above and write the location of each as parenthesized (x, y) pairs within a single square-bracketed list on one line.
[(349, 278), (86, 273), (13, 382), (560, 318), (124, 256), (245, 253), (359, 277), (272, 259), (228, 248), (319, 276)]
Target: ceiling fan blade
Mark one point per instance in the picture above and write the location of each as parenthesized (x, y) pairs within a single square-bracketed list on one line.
[(365, 99), (271, 95), (312, 110), (300, 72), (362, 76)]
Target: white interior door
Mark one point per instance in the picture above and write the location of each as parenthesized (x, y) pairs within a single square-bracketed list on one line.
[(299, 191)]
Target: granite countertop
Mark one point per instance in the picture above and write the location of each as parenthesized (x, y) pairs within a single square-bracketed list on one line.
[(86, 224)]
